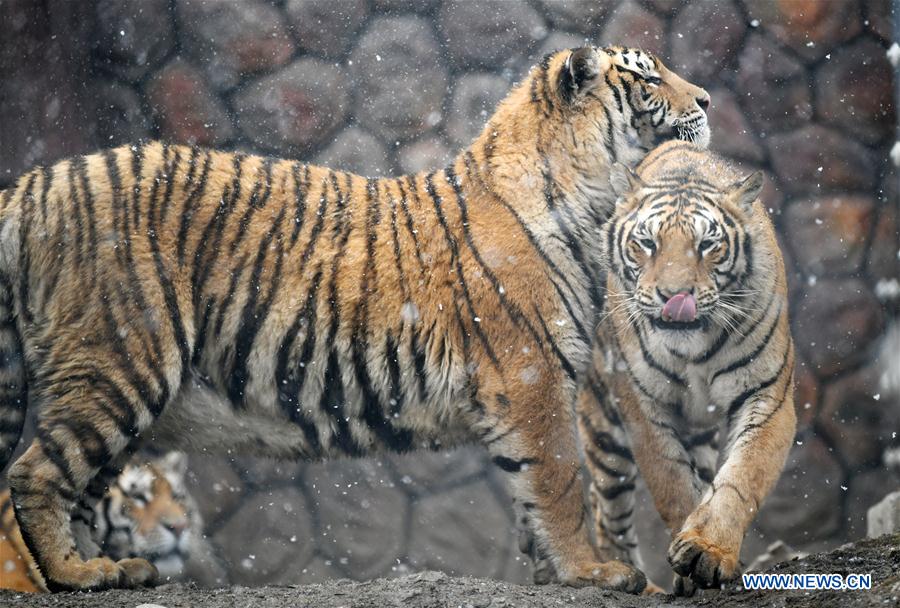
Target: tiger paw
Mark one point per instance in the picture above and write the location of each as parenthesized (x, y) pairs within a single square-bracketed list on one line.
[(103, 573), (702, 561), (137, 572), (682, 586), (613, 574), (653, 589)]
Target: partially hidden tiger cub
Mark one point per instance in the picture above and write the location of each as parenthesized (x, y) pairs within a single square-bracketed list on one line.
[(695, 343), (197, 299), (145, 513)]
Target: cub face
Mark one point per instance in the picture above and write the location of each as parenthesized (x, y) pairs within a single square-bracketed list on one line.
[(150, 516), (679, 251)]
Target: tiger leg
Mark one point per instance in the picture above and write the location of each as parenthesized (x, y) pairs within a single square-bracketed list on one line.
[(86, 421), (545, 467), (610, 464), (708, 546), (84, 515)]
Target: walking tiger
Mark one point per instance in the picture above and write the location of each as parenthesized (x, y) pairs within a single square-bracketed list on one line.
[(206, 300)]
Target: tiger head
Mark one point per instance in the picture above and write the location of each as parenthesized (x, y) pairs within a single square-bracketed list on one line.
[(587, 108), (679, 244), (148, 514)]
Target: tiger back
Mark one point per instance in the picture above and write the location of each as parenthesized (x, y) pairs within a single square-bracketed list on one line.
[(206, 300), (692, 378), (145, 513)]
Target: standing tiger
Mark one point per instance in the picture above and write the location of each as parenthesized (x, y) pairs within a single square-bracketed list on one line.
[(695, 340), (208, 300), (145, 513)]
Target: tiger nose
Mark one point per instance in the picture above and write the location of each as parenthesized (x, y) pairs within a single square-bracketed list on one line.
[(665, 293), (703, 101), (176, 527)]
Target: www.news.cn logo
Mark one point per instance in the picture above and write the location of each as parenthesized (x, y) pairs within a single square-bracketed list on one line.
[(806, 582)]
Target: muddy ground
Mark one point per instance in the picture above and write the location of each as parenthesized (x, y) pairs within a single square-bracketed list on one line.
[(880, 557)]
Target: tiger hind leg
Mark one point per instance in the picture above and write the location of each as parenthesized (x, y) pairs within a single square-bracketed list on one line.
[(86, 425)]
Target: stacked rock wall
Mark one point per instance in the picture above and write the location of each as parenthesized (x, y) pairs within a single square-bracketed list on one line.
[(800, 88)]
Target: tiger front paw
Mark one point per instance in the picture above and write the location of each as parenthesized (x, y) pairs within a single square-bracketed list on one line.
[(614, 575), (103, 573), (702, 561)]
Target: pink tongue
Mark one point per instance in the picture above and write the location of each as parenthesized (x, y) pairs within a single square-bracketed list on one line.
[(681, 307)]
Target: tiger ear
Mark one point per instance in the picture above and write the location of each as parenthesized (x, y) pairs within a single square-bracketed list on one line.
[(623, 181), (747, 190), (581, 72), (175, 463)]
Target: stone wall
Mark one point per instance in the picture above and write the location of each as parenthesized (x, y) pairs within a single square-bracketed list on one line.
[(800, 88)]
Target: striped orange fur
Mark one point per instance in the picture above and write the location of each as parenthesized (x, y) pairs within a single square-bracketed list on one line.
[(661, 392), (210, 300)]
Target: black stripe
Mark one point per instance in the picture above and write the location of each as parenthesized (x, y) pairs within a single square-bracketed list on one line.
[(253, 317), (332, 403), (301, 194), (168, 288), (289, 379), (255, 202), (187, 211), (454, 252), (616, 490), (753, 355), (512, 465), (654, 364), (739, 401)]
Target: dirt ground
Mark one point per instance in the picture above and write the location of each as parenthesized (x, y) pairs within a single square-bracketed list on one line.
[(880, 557)]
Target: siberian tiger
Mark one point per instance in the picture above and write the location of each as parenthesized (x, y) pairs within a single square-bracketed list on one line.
[(221, 301), (145, 513), (695, 342)]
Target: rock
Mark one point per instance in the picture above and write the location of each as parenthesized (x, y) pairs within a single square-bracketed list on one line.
[(119, 116), (704, 38), (830, 234), (269, 537), (361, 516), (814, 158), (867, 487), (775, 553), (733, 135), (475, 97), (584, 16), (232, 39), (214, 484), (326, 27), (504, 31), (854, 91), (666, 7), (884, 518), (133, 36), (426, 154), (634, 26), (428, 472), (399, 80), (809, 27), (558, 41), (462, 531), (855, 420), (802, 508), (878, 14), (295, 108), (184, 107), (356, 151), (884, 253), (773, 85), (402, 6), (834, 323)]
